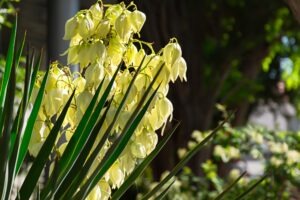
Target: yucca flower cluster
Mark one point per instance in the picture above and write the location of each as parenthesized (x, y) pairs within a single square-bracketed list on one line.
[(102, 38)]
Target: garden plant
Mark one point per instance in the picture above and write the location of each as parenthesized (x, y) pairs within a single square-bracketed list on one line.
[(96, 129)]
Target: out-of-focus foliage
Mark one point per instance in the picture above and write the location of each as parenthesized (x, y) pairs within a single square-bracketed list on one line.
[(237, 34), (236, 44), (20, 75), (284, 49), (278, 154), (6, 9)]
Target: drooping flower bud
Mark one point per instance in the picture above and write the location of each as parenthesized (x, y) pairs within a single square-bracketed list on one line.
[(102, 29), (83, 100), (115, 51), (182, 69), (71, 28), (90, 52), (137, 20), (123, 26), (97, 11), (113, 12), (165, 108), (55, 100), (171, 53), (127, 160), (148, 140), (105, 190), (130, 54), (36, 141), (139, 57), (98, 52), (138, 150), (178, 69), (73, 54), (174, 72), (95, 194), (79, 83), (94, 74), (86, 25), (116, 175), (84, 54)]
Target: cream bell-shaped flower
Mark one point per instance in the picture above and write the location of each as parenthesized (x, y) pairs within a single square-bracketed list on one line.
[(105, 190), (94, 74), (36, 141), (163, 79), (116, 175), (154, 120), (82, 102), (197, 135), (165, 108), (85, 24), (89, 52), (70, 119), (73, 54), (171, 53), (138, 57), (102, 29), (71, 28), (127, 160), (138, 150), (181, 152), (115, 51), (124, 116), (123, 83), (141, 82), (54, 101), (84, 54), (52, 79), (39, 135), (113, 12), (99, 52), (62, 148), (137, 20), (178, 69), (182, 69), (149, 139), (123, 26), (130, 54), (95, 194), (79, 84), (97, 11), (174, 72)]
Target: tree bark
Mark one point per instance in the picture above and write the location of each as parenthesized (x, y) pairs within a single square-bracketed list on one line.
[(295, 7)]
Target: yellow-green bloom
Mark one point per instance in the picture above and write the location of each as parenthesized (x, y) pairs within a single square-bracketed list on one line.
[(137, 20)]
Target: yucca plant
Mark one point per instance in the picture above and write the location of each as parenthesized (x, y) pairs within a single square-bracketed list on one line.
[(105, 115)]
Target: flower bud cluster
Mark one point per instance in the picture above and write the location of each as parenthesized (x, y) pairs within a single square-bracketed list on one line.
[(102, 38)]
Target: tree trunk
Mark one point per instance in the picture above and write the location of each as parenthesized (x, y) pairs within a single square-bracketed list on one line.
[(295, 7)]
